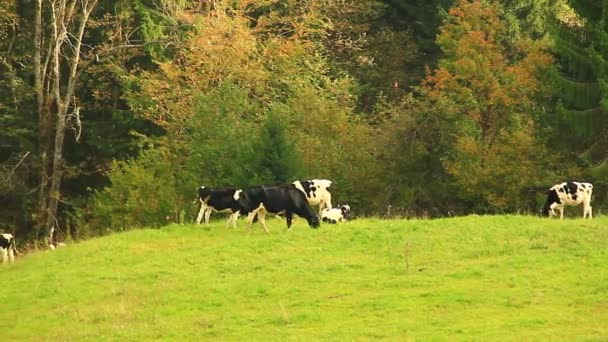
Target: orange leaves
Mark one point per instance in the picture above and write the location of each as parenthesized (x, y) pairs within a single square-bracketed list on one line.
[(477, 73), (484, 96)]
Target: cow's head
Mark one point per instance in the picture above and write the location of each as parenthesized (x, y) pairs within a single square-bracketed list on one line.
[(242, 199), (552, 198), (313, 221), (345, 209), (546, 211)]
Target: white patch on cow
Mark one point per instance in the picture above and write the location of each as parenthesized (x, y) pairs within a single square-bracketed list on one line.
[(320, 196), (8, 252), (237, 195), (332, 215)]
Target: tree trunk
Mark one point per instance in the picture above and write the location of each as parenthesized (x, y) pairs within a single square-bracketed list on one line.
[(55, 92), (44, 138)]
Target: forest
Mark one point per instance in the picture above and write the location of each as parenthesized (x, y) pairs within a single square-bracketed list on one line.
[(114, 112)]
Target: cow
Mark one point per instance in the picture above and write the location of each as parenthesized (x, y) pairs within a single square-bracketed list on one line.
[(568, 193), (335, 215), (220, 200), (316, 192), (7, 247), (278, 199)]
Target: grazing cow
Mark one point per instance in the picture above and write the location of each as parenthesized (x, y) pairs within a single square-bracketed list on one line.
[(7, 247), (316, 191), (281, 199), (568, 193), (220, 200), (335, 215)]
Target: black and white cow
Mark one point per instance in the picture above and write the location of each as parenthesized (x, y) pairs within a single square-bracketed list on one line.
[(7, 247), (335, 215), (220, 200), (316, 191), (280, 199), (568, 193)]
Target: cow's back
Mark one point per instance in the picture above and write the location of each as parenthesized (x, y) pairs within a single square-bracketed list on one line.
[(572, 193), (315, 190)]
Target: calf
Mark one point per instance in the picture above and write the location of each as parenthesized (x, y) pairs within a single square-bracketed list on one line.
[(220, 200), (568, 193), (335, 215), (7, 247), (282, 199), (316, 192)]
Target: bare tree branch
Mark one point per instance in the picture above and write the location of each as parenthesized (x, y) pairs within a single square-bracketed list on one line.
[(12, 172)]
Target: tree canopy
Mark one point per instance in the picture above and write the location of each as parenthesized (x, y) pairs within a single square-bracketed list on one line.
[(113, 113)]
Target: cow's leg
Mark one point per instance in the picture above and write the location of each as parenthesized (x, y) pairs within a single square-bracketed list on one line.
[(250, 217), (584, 210), (232, 219), (201, 213), (236, 217), (561, 212), (207, 214), (289, 219), (587, 210), (3, 255), (11, 255), (229, 220), (262, 218)]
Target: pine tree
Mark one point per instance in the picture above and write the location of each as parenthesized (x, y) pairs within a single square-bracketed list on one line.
[(280, 162), (581, 81)]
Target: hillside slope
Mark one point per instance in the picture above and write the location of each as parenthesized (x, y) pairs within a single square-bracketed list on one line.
[(494, 277)]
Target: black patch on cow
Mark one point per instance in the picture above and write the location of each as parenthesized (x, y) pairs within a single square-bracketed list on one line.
[(328, 220), (309, 188), (4, 242), (552, 197), (571, 189)]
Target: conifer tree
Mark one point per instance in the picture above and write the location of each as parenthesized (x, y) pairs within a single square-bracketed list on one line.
[(280, 162), (580, 82)]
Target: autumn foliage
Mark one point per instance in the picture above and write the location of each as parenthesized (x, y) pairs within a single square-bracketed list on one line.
[(412, 108), (481, 103)]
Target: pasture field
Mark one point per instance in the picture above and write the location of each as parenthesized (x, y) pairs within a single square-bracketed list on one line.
[(468, 278)]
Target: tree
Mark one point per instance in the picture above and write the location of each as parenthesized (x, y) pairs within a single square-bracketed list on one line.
[(56, 70), (476, 113), (278, 160), (579, 82)]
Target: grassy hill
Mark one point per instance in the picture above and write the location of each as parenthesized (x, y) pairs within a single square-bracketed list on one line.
[(483, 278)]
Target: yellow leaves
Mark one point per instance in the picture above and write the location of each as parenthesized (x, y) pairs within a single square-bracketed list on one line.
[(8, 19), (496, 166), (477, 76), (221, 48)]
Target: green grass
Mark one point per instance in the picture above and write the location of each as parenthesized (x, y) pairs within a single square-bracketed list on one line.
[(469, 278)]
